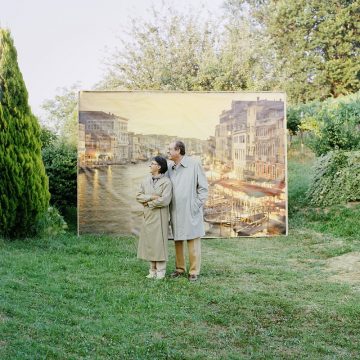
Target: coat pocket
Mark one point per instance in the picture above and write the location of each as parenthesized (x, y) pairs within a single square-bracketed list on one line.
[(195, 206)]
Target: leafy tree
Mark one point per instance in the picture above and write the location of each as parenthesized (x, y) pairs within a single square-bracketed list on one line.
[(61, 114), (316, 44), (24, 195), (245, 51), (167, 52), (302, 117), (177, 51)]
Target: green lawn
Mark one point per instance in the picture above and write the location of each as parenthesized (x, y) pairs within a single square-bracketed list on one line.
[(264, 298)]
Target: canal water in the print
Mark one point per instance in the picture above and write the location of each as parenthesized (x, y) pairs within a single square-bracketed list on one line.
[(107, 205), (107, 202)]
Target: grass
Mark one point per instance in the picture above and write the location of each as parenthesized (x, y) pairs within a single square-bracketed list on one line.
[(265, 298)]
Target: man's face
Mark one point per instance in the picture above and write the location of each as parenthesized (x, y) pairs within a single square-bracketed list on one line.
[(172, 153)]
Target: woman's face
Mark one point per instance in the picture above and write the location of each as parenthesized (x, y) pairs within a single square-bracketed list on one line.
[(154, 168)]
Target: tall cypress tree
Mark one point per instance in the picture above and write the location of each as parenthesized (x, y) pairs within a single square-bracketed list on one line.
[(24, 193)]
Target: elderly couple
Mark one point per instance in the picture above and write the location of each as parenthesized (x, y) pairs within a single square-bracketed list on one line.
[(181, 188)]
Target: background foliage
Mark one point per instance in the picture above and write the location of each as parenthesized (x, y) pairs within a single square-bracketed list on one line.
[(336, 126), (61, 114), (60, 161), (316, 44), (333, 124)]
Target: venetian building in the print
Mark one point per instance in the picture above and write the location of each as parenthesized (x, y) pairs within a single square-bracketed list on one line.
[(106, 137), (223, 138), (250, 137), (270, 148), (243, 138), (134, 147), (248, 194)]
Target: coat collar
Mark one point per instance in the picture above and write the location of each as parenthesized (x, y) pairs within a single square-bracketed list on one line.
[(157, 183), (185, 161)]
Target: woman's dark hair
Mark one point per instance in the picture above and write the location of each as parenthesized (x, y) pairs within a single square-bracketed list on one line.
[(163, 164), (179, 145)]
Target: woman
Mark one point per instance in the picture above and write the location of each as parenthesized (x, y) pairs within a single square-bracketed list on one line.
[(155, 195)]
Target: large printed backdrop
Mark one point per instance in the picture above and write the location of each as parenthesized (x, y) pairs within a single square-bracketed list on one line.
[(240, 139)]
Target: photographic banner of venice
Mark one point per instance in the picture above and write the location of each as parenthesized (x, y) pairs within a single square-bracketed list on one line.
[(238, 137)]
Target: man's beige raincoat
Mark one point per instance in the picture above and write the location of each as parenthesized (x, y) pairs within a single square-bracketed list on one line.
[(190, 190)]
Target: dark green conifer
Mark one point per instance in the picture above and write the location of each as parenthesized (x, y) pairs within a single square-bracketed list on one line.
[(24, 194)]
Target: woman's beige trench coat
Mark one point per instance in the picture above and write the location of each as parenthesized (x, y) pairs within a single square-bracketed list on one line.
[(153, 237)]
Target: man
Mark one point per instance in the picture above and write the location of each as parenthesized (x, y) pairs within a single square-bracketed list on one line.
[(190, 191)]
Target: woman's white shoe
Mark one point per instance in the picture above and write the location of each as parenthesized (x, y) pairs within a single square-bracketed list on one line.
[(151, 275), (160, 274)]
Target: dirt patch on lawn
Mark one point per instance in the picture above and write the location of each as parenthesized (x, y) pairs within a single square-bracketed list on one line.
[(347, 267)]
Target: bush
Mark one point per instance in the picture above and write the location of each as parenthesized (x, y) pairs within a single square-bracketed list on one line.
[(47, 137), (60, 161), (338, 128), (330, 125), (51, 223), (336, 179)]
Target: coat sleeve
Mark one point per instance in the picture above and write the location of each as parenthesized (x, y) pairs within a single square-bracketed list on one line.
[(202, 186), (141, 197), (164, 199)]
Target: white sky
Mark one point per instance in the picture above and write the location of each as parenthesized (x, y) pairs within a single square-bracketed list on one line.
[(61, 42)]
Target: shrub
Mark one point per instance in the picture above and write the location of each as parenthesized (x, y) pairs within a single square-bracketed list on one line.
[(336, 179), (24, 193), (60, 161), (51, 223)]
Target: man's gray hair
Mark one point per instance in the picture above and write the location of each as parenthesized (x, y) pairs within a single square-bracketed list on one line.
[(180, 145)]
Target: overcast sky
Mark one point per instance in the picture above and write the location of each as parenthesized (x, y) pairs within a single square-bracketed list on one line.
[(61, 42)]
